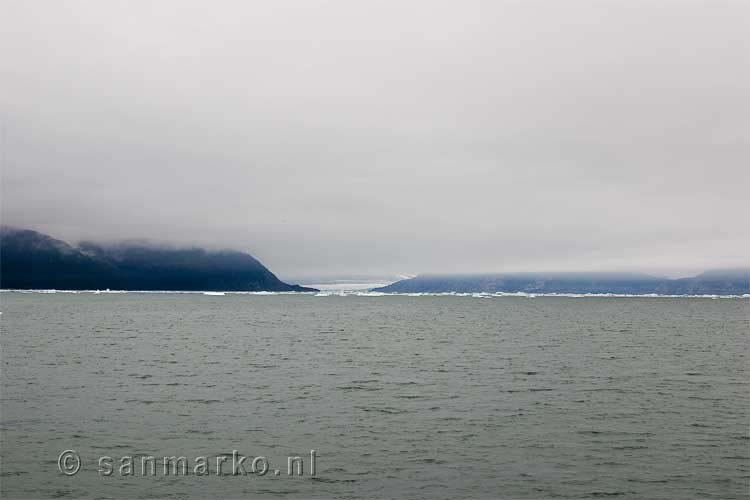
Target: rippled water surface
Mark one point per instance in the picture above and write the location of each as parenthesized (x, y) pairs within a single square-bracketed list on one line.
[(401, 397)]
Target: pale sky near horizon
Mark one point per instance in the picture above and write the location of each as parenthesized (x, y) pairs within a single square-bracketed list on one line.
[(335, 137)]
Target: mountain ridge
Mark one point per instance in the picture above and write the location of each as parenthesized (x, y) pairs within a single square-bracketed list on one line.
[(33, 260)]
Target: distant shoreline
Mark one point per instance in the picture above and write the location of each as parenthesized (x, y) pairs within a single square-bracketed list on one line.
[(360, 293), (729, 282)]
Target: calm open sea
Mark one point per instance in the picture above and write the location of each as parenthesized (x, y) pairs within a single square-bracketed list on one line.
[(400, 397)]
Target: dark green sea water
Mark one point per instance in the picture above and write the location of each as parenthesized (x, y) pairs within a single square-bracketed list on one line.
[(401, 397)]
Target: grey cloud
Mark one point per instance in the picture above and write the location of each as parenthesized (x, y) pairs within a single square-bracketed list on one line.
[(373, 137)]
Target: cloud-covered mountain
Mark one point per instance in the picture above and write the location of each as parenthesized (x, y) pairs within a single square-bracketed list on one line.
[(32, 260)]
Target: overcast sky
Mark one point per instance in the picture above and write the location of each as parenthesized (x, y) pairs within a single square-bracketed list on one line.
[(385, 137)]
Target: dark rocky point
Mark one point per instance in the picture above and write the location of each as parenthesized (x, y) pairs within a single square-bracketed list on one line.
[(32, 260)]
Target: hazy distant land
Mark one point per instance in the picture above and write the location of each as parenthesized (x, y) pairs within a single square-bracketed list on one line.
[(720, 282), (32, 260)]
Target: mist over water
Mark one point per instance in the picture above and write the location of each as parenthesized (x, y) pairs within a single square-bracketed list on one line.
[(408, 397)]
